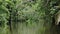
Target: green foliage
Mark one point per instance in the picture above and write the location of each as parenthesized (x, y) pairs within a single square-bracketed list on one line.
[(36, 14)]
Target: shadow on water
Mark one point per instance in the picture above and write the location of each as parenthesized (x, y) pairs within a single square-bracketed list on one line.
[(55, 29), (29, 29)]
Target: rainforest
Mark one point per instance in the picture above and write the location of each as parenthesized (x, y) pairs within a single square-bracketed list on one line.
[(29, 16)]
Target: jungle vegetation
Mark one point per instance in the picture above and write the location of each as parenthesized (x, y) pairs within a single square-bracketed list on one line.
[(29, 16)]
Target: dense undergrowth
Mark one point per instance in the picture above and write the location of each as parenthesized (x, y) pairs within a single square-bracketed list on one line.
[(27, 16)]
